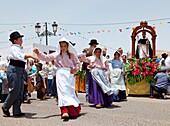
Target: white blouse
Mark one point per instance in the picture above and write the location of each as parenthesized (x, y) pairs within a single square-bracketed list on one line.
[(17, 53)]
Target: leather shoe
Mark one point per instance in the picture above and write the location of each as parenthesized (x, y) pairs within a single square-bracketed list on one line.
[(19, 115), (65, 117), (6, 113)]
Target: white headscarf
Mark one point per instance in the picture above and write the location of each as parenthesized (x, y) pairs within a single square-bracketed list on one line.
[(117, 51), (93, 57), (70, 47)]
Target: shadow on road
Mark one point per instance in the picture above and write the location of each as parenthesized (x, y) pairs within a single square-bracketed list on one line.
[(113, 106), (30, 116), (73, 118), (110, 107)]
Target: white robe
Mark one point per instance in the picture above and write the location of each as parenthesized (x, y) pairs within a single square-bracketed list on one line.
[(143, 51)]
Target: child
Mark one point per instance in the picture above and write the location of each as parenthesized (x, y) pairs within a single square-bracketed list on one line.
[(117, 77), (40, 87), (15, 71), (99, 89), (26, 94), (5, 85), (80, 78), (67, 62)]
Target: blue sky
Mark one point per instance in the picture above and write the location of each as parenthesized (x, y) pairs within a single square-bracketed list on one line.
[(85, 12)]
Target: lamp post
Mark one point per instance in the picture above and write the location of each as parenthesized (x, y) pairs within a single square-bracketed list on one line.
[(46, 33)]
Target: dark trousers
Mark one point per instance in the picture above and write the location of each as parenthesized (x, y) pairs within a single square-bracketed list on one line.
[(54, 88), (15, 96), (88, 74), (50, 85), (158, 90), (26, 94)]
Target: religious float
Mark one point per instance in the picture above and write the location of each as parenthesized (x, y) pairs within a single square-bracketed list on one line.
[(141, 67)]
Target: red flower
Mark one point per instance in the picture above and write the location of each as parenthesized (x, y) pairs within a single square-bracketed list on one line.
[(151, 73), (144, 67), (137, 71), (131, 66), (153, 70), (143, 74), (152, 64), (136, 65), (143, 62), (146, 72), (157, 64), (148, 63), (134, 73)]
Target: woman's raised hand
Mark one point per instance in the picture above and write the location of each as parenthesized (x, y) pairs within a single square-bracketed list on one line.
[(36, 51)]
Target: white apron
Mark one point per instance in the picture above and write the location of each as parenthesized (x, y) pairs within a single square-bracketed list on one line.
[(66, 88), (117, 80)]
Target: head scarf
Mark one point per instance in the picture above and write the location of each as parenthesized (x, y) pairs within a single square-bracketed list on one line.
[(93, 57), (70, 47), (117, 51)]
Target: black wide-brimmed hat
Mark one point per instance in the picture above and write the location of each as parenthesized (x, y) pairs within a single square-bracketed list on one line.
[(93, 41), (164, 55), (15, 35)]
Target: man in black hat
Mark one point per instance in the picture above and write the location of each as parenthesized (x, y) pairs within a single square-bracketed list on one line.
[(93, 43), (144, 47), (15, 72)]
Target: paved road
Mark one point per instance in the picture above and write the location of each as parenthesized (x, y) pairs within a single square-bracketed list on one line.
[(137, 111)]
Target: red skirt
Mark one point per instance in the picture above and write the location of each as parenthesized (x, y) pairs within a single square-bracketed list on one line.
[(71, 110)]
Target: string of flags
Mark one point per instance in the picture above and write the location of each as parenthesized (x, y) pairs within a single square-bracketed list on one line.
[(19, 28), (30, 38), (81, 33), (89, 39), (90, 32)]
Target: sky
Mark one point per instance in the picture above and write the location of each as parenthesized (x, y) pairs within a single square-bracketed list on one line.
[(22, 15)]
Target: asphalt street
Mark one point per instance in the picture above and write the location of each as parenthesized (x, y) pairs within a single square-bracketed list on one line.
[(137, 111)]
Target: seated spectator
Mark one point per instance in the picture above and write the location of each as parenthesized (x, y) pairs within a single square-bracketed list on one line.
[(162, 82)]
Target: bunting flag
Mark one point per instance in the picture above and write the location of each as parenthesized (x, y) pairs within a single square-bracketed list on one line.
[(89, 32), (19, 28), (120, 30), (30, 38)]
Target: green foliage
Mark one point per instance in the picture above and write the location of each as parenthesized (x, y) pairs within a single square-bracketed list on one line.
[(81, 74)]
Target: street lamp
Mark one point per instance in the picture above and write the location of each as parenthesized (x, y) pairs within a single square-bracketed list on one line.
[(46, 33), (38, 29), (55, 26)]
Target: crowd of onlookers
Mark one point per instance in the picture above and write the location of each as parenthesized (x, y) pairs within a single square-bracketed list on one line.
[(40, 76)]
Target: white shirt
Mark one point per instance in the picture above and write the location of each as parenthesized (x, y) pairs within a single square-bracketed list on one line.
[(51, 71), (17, 53), (167, 62)]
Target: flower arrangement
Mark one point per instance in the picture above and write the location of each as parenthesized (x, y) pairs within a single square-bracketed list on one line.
[(140, 69)]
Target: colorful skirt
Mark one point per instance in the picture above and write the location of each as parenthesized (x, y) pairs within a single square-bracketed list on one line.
[(80, 84), (96, 95)]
